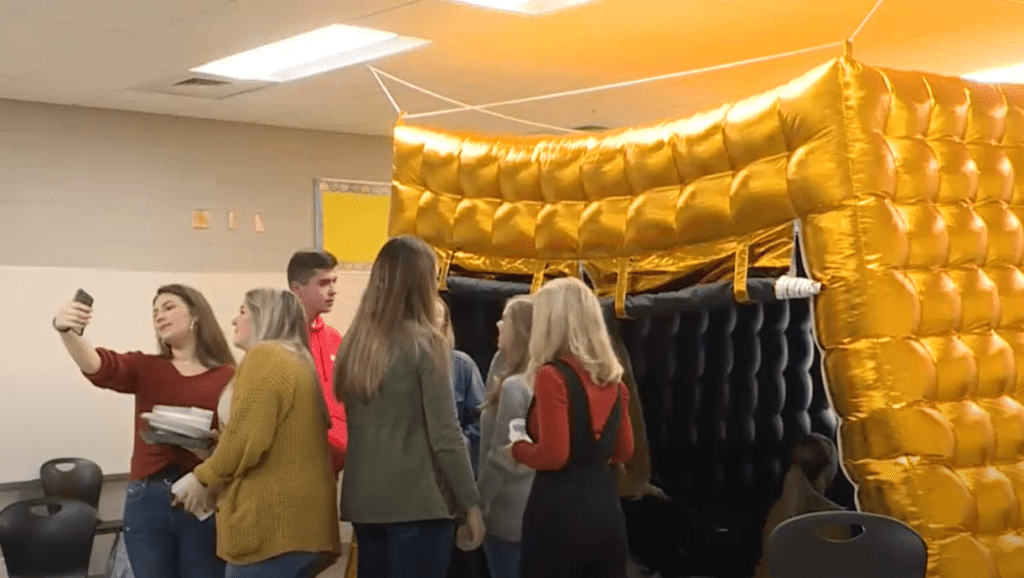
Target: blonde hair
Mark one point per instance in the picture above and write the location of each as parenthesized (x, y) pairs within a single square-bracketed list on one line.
[(518, 313), (567, 320), (398, 302), (446, 323), (278, 317)]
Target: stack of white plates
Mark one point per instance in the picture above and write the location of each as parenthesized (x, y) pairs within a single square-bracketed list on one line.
[(192, 422)]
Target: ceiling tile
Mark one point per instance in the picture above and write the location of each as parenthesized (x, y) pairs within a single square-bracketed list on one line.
[(980, 59), (125, 15), (27, 45), (24, 89), (93, 74), (948, 18), (138, 102), (340, 86), (372, 109)]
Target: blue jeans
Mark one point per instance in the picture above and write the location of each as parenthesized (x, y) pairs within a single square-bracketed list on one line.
[(288, 565), (502, 557), (419, 549), (164, 541)]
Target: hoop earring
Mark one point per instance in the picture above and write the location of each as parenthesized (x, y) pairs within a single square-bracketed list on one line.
[(192, 326)]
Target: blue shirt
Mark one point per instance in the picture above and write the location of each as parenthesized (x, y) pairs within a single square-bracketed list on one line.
[(468, 386)]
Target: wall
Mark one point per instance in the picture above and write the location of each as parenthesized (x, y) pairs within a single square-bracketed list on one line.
[(106, 189)]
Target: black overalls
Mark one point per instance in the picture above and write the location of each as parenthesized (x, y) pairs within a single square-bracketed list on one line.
[(573, 524)]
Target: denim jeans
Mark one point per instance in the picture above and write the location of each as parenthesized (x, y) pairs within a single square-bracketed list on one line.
[(164, 541), (419, 549), (502, 557), (288, 565)]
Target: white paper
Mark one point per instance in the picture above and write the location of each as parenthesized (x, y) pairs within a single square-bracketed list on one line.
[(179, 487), (517, 431)]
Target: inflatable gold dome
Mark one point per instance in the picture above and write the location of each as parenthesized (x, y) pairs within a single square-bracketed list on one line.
[(908, 190)]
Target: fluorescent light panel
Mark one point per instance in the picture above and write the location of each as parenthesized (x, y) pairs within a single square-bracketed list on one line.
[(530, 7), (314, 52), (1013, 74)]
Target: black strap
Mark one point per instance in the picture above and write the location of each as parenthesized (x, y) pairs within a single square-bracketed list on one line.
[(583, 448)]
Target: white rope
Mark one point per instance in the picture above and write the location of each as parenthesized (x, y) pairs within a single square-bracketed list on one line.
[(464, 106), (632, 82), (461, 106), (387, 93), (866, 18)]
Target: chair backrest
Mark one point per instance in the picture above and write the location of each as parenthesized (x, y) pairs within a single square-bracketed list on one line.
[(885, 547), (47, 538), (72, 478)]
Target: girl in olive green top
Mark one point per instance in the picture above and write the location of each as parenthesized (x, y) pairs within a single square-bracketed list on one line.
[(407, 473)]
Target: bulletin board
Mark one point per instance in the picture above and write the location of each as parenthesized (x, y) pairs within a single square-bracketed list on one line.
[(351, 220)]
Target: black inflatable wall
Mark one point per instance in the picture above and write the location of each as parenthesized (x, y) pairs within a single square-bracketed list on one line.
[(725, 391)]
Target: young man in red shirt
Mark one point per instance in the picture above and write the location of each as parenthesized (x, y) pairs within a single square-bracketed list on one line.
[(311, 276)]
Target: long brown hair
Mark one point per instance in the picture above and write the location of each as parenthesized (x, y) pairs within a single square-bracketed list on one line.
[(518, 319), (398, 302), (211, 346)]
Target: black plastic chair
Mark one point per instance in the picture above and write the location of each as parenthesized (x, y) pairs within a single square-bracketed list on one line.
[(79, 479), (885, 547), (47, 538), (72, 478)]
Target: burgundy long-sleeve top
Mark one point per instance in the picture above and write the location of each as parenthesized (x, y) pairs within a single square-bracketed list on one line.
[(154, 380)]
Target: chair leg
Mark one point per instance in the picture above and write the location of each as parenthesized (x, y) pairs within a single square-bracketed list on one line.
[(112, 560), (353, 555)]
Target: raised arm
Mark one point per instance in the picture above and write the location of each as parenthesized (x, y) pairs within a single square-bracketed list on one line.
[(258, 404), (103, 367), (71, 319)]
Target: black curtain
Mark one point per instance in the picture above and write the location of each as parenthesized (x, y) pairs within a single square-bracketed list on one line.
[(725, 390)]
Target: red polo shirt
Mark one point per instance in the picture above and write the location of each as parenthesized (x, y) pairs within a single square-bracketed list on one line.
[(323, 342)]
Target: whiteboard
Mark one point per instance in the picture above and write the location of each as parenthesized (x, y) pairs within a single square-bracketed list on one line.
[(47, 408)]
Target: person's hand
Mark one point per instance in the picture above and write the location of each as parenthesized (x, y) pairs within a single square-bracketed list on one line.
[(649, 489), (470, 535), (516, 465), (205, 453), (72, 316), (196, 498)]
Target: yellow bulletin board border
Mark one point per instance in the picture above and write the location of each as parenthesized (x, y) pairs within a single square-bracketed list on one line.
[(329, 186)]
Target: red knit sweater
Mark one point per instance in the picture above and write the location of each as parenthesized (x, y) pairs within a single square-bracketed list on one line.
[(548, 422), (154, 380)]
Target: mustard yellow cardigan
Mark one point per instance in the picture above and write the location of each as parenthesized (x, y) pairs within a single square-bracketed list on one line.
[(273, 459)]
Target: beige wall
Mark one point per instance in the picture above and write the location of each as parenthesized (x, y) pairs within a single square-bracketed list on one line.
[(96, 188)]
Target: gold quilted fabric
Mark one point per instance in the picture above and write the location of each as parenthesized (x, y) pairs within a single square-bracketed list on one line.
[(909, 192)]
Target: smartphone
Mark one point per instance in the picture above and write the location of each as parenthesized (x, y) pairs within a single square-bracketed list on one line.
[(85, 299)]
